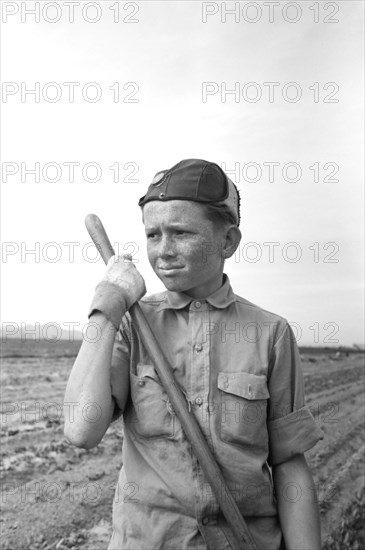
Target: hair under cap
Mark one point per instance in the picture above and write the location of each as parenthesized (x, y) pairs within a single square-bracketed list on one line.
[(195, 180)]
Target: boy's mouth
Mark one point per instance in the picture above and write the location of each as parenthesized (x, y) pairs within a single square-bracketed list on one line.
[(170, 270)]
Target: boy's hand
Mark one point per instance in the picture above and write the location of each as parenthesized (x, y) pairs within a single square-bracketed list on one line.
[(121, 286), (122, 272)]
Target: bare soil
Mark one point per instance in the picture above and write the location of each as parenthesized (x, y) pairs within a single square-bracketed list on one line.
[(56, 496)]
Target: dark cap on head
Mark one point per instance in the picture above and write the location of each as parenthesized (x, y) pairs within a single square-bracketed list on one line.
[(194, 180)]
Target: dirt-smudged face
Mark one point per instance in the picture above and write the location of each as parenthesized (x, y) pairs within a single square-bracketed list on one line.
[(184, 248)]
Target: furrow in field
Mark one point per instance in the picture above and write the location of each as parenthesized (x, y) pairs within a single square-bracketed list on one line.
[(317, 382), (31, 461), (340, 492), (340, 393), (332, 455)]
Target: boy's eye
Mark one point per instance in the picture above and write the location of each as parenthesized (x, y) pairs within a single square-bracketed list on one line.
[(177, 232)]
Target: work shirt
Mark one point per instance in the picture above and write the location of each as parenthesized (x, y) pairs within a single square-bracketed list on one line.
[(239, 368)]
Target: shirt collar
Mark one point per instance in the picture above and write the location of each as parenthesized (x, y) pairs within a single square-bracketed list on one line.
[(221, 298)]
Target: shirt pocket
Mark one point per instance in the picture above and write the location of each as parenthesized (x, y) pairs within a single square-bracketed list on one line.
[(151, 415), (243, 408)]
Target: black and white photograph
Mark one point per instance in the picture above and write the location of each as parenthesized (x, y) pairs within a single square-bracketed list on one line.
[(182, 275)]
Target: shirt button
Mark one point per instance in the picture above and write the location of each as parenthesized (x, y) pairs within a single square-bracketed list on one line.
[(141, 383), (198, 304), (198, 347), (199, 401), (205, 521)]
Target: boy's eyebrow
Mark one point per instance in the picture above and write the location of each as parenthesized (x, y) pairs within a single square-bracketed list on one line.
[(179, 224), (172, 225)]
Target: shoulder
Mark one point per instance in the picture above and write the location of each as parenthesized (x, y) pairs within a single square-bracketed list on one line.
[(149, 305), (252, 313), (258, 311)]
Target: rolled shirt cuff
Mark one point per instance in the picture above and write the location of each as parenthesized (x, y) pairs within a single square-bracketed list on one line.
[(110, 300), (292, 434)]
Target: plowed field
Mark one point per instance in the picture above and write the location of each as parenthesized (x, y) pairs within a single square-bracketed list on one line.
[(54, 495)]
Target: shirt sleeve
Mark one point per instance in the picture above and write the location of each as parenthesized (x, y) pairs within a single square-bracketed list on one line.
[(119, 366), (291, 426)]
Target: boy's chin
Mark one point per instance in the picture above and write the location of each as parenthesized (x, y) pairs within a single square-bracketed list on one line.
[(173, 286)]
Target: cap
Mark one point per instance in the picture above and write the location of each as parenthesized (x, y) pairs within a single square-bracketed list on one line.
[(195, 180)]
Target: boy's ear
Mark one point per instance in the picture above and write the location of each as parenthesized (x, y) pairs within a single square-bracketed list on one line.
[(232, 240)]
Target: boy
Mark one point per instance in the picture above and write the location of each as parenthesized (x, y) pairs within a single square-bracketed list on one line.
[(237, 364)]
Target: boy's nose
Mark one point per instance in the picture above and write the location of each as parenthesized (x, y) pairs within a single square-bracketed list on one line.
[(167, 248)]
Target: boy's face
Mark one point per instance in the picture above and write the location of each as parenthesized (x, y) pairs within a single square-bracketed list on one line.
[(184, 248)]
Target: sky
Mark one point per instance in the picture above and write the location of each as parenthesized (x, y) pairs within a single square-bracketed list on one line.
[(273, 94)]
